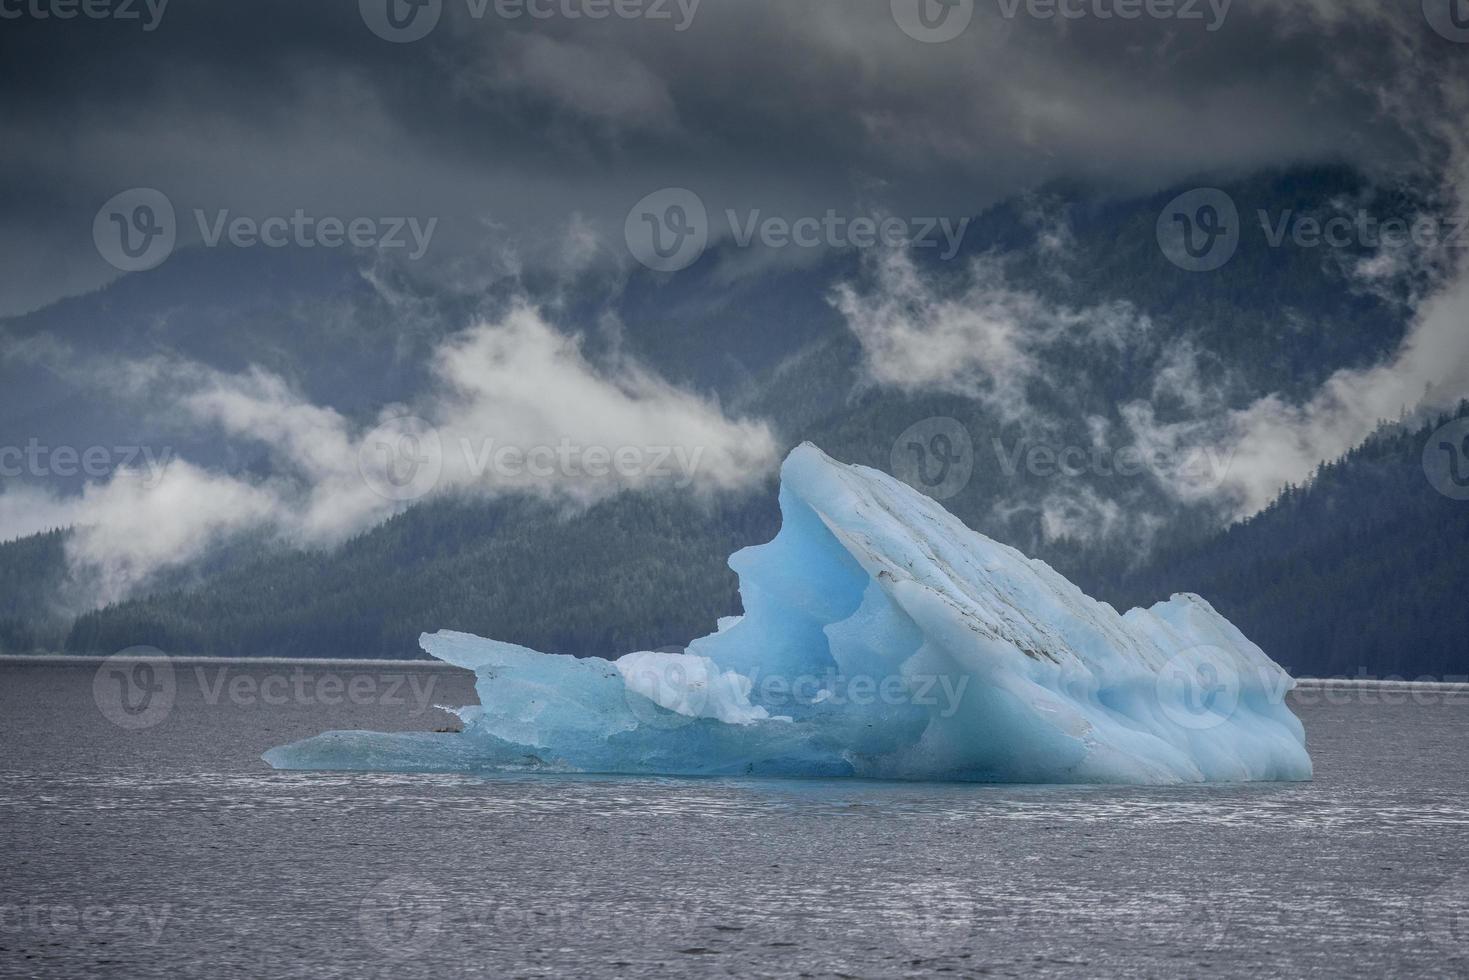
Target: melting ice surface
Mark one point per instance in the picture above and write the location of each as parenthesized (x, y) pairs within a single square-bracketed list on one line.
[(881, 638)]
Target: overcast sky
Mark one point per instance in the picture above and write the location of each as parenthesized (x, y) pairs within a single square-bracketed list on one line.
[(533, 136), (518, 140)]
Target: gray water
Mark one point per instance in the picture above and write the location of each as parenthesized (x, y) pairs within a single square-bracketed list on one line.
[(172, 850)]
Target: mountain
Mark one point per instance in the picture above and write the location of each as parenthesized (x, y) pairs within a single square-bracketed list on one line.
[(1362, 571), (638, 571), (646, 569)]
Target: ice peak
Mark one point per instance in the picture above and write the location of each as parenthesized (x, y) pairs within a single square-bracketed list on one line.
[(882, 637)]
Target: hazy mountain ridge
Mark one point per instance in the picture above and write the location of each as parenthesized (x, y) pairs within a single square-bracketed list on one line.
[(771, 344), (1361, 570)]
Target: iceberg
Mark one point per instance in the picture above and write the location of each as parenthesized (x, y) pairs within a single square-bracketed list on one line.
[(881, 638)]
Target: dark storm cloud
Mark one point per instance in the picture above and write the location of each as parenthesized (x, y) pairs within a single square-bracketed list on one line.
[(530, 137)]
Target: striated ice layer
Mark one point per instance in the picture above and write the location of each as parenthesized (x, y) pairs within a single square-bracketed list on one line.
[(881, 638)]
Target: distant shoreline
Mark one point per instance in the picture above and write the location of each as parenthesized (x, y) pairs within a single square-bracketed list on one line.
[(1458, 681), (62, 659)]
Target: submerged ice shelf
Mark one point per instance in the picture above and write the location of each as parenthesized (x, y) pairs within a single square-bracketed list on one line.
[(881, 638)]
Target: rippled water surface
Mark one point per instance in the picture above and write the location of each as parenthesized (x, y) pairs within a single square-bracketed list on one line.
[(172, 850)]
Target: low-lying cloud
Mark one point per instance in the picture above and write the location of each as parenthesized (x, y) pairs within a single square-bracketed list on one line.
[(1273, 442), (985, 341), (516, 408)]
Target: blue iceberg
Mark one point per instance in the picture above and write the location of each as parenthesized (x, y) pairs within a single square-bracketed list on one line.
[(881, 638)]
